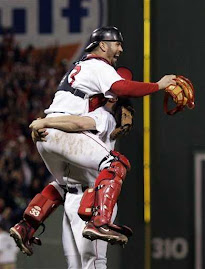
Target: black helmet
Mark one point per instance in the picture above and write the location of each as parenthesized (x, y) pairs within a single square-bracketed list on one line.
[(107, 33)]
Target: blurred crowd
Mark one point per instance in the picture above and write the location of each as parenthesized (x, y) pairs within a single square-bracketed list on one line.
[(28, 82)]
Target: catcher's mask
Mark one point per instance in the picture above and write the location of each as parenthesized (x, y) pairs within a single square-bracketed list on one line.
[(107, 33)]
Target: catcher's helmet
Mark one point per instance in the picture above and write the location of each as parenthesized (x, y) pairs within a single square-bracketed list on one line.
[(107, 33)]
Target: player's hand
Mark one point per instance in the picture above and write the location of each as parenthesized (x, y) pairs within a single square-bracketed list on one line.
[(37, 124), (38, 131), (166, 81), (39, 135)]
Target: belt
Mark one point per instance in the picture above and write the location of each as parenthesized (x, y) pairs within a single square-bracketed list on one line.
[(76, 190), (75, 92)]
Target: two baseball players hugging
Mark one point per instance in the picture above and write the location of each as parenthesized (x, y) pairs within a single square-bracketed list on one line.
[(76, 143)]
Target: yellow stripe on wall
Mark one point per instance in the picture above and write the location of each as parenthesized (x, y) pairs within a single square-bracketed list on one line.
[(146, 120), (146, 113)]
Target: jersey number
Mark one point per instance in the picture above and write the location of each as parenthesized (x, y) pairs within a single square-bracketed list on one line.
[(76, 71)]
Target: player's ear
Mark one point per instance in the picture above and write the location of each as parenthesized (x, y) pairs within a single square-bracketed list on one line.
[(103, 46)]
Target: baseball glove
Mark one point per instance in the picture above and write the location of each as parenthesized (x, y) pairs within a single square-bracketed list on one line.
[(182, 94), (123, 113)]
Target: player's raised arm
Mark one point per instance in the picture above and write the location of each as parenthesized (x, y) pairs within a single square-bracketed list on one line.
[(137, 89)]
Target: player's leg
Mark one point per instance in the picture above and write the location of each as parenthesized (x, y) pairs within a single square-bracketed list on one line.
[(92, 254), (83, 150), (39, 209), (71, 252), (99, 251), (87, 150), (105, 194), (55, 155)]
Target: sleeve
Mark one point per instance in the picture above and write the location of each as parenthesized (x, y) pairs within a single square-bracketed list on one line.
[(106, 78), (105, 124), (133, 88), (100, 116)]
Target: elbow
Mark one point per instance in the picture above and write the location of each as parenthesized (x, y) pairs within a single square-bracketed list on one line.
[(80, 126), (86, 125)]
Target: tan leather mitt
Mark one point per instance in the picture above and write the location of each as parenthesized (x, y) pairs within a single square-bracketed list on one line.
[(182, 94), (124, 117)]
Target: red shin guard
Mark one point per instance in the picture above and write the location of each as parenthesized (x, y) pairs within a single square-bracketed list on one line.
[(106, 198), (42, 206), (108, 188), (97, 203)]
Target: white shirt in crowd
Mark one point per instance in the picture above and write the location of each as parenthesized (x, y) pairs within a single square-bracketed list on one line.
[(8, 248)]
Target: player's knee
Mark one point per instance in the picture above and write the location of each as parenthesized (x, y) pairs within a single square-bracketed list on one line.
[(119, 166), (113, 159), (118, 170), (121, 158)]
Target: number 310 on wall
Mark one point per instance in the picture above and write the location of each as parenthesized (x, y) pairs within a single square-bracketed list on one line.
[(170, 248)]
